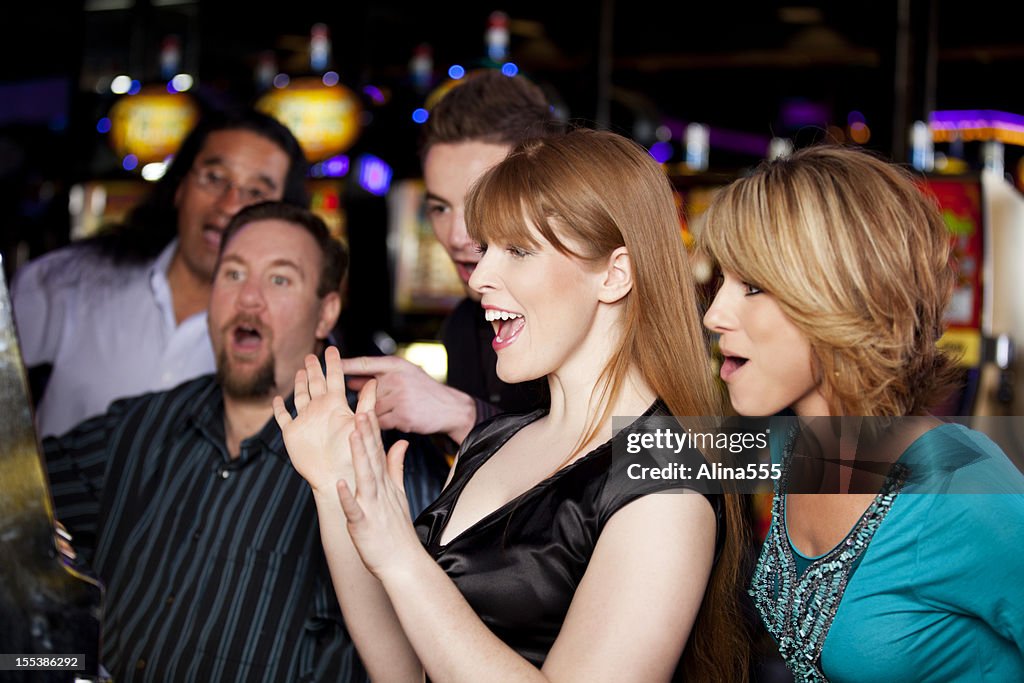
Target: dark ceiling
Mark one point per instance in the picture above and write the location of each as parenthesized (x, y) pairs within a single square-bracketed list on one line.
[(729, 64)]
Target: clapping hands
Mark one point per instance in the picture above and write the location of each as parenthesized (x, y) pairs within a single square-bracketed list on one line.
[(334, 448)]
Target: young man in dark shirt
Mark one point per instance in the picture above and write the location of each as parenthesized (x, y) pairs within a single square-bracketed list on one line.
[(472, 128)]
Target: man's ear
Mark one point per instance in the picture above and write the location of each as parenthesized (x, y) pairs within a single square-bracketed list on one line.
[(618, 277), (330, 309)]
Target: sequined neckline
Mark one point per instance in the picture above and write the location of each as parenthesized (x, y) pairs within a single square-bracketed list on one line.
[(798, 610)]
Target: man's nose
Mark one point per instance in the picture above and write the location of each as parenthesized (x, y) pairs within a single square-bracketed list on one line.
[(251, 295), (459, 237)]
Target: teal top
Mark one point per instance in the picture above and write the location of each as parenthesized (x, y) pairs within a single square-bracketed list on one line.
[(927, 586)]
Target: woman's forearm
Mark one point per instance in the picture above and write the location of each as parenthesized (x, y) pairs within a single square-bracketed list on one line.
[(366, 608)]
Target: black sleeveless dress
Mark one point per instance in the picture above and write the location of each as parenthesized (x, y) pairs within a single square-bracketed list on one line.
[(519, 566)]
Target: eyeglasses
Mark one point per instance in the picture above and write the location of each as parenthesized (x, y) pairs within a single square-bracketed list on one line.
[(217, 183)]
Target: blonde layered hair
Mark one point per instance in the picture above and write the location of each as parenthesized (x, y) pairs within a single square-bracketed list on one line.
[(858, 257), (599, 191)]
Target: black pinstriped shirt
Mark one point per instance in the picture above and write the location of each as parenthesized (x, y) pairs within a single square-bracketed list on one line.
[(213, 567)]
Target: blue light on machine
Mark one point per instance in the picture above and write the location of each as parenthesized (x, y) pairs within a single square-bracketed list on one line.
[(509, 69), (661, 151), (374, 174), (456, 71), (103, 125), (336, 167), (129, 162), (135, 88), (420, 115)]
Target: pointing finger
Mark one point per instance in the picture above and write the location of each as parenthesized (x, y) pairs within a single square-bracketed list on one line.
[(373, 365), (356, 383)]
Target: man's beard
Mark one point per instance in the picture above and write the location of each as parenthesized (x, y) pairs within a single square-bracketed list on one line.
[(258, 384)]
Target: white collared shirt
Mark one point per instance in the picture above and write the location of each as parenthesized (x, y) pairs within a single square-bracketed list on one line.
[(108, 330)]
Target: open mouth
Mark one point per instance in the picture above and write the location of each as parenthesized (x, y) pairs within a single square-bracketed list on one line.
[(507, 326), (246, 337), (731, 365), (212, 236)]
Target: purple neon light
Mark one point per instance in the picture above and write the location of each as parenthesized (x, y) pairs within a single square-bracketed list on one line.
[(336, 167), (737, 141), (797, 113), (725, 139), (952, 119), (661, 151), (374, 174), (374, 93)]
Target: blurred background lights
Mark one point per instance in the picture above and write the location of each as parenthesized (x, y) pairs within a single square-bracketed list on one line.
[(509, 69), (281, 81), (182, 82), (129, 162), (835, 135), (120, 84), (455, 72), (855, 117), (335, 167), (860, 133), (374, 174), (661, 151), (420, 115), (330, 78), (663, 133), (154, 171), (136, 86), (374, 93), (103, 125)]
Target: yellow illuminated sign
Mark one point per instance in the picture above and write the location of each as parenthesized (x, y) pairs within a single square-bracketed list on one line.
[(151, 124), (324, 119)]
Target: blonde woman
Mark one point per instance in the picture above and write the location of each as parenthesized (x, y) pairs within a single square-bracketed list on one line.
[(536, 563), (836, 274)]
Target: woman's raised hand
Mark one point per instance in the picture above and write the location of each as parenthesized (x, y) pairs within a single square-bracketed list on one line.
[(376, 508), (317, 438)]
